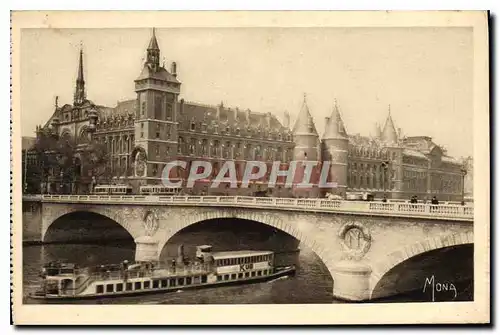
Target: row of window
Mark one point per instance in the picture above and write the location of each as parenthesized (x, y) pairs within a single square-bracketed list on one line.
[(241, 275), (243, 260), (376, 181), (230, 150), (150, 284), (371, 153), (227, 130)]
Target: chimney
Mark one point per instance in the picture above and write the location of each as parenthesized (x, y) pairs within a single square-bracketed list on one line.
[(268, 120), (173, 69), (247, 115), (219, 108), (236, 111), (182, 107), (286, 120)]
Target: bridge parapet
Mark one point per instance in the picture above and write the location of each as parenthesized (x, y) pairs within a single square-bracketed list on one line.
[(398, 209)]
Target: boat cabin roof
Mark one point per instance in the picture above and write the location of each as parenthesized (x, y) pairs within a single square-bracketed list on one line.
[(204, 246), (239, 253)]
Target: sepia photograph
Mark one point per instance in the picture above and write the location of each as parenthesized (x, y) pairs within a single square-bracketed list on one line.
[(217, 162)]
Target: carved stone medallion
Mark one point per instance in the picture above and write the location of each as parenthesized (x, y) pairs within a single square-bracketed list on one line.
[(355, 240)]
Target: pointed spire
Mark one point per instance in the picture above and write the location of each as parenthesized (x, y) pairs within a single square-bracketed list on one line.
[(335, 128), (153, 43), (389, 134), (305, 123), (153, 53), (377, 132), (79, 96)]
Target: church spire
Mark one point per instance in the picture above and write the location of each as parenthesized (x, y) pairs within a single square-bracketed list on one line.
[(389, 134), (153, 57), (304, 124), (79, 97), (335, 128)]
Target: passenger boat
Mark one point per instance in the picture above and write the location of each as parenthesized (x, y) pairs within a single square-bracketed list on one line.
[(65, 281)]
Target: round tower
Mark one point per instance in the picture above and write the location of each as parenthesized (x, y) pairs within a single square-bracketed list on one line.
[(307, 148), (335, 148)]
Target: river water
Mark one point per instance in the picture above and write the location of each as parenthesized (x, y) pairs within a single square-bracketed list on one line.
[(312, 282)]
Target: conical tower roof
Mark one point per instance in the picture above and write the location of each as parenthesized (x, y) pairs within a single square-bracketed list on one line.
[(335, 128), (153, 43), (389, 134), (377, 132), (305, 123)]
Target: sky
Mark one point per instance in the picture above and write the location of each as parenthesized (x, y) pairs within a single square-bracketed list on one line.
[(424, 74)]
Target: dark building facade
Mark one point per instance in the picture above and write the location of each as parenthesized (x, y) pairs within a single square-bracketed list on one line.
[(158, 126)]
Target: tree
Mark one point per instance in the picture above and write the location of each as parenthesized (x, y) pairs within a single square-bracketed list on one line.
[(96, 162), (66, 162)]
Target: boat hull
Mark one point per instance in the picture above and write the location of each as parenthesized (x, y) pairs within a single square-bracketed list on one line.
[(57, 298)]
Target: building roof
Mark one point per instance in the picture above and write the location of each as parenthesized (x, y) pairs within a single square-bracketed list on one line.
[(235, 117), (449, 159), (27, 142), (161, 74), (335, 128), (389, 134), (305, 123), (153, 43), (239, 253), (414, 153)]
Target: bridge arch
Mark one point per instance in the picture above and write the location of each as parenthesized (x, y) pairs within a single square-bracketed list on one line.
[(395, 258), (57, 212), (267, 219)]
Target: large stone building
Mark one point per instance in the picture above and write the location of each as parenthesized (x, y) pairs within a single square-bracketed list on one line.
[(157, 126)]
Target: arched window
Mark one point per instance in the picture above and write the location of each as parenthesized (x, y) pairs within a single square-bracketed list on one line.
[(84, 136), (180, 145), (192, 146), (216, 149), (204, 147)]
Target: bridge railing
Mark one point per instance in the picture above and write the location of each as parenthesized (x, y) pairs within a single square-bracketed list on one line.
[(439, 211)]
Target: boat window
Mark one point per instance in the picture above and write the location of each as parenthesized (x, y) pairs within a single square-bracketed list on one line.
[(259, 273), (188, 281), (226, 277), (137, 285), (253, 273), (204, 278), (246, 260), (233, 276), (147, 284), (240, 275), (247, 274), (129, 287), (119, 287), (99, 289), (181, 281), (219, 278), (172, 282), (265, 272), (164, 283), (109, 288), (156, 283), (270, 271)]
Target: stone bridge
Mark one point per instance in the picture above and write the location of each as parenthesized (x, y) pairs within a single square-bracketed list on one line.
[(359, 242)]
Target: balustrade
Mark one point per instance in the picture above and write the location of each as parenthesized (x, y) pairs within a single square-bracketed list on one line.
[(439, 211)]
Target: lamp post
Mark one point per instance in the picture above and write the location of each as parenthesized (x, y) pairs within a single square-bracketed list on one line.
[(61, 183), (385, 166), (464, 173)]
